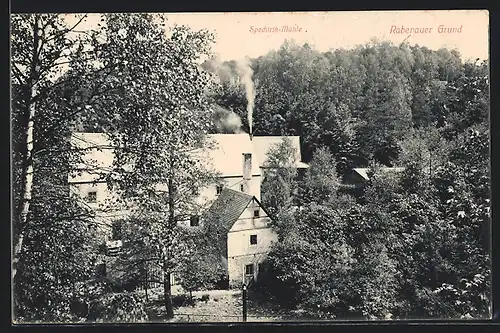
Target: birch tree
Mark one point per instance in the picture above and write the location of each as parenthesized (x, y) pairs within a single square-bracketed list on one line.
[(49, 59)]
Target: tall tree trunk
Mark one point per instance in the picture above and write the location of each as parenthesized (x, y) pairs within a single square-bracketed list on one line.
[(167, 293), (146, 277), (27, 186), (27, 171), (167, 287)]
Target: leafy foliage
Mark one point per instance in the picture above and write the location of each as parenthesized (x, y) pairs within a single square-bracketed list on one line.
[(418, 241), (321, 182), (201, 272), (416, 245), (280, 176), (118, 308), (54, 232)]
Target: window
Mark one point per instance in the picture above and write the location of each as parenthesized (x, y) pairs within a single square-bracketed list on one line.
[(253, 239), (256, 212), (219, 189), (101, 270), (92, 196), (242, 188), (194, 220), (116, 231), (249, 269)]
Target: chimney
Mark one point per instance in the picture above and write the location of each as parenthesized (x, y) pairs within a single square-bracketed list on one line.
[(247, 172)]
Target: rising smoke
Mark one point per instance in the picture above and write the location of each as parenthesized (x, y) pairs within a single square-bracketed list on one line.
[(235, 72), (226, 121), (245, 72)]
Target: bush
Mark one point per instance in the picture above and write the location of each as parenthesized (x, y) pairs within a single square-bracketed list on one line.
[(205, 298), (118, 308), (121, 277), (182, 300), (235, 285)]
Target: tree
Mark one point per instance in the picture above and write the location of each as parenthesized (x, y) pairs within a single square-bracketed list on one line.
[(463, 189), (228, 93), (279, 188), (53, 231), (321, 182), (42, 46), (319, 268), (468, 101), (157, 120), (436, 230), (384, 113), (200, 271)]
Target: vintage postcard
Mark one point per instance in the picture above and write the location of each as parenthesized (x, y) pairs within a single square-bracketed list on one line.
[(250, 167)]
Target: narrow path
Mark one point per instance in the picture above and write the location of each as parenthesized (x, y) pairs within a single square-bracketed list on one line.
[(222, 306)]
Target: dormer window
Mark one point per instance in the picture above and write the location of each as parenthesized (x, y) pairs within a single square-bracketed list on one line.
[(92, 196), (219, 189)]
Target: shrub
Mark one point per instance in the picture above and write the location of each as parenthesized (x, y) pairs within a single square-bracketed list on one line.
[(235, 285), (118, 308), (205, 298), (182, 300)]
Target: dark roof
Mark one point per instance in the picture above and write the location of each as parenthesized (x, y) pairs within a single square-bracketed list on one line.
[(363, 172), (228, 207)]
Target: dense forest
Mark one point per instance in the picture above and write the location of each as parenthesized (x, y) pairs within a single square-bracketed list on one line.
[(411, 245), (361, 104)]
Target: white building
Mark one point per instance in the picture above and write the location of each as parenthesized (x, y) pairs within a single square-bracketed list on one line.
[(234, 202)]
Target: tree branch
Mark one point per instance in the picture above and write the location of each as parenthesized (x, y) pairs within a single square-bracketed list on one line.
[(65, 31), (18, 74), (74, 113)]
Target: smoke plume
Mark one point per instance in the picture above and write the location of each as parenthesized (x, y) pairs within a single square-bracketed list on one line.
[(226, 121), (223, 70), (245, 72), (236, 72)]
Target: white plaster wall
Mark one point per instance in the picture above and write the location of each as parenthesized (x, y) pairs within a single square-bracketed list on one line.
[(209, 193), (236, 267), (238, 242), (240, 251)]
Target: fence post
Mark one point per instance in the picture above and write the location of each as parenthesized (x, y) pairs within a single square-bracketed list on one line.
[(244, 303)]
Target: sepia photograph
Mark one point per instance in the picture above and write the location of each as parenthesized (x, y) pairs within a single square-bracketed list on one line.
[(250, 167)]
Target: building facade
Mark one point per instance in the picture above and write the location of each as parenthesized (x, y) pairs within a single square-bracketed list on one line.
[(234, 200)]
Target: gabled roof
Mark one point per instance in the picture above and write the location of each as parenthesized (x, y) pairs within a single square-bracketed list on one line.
[(363, 172), (228, 207)]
